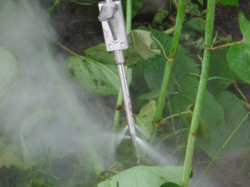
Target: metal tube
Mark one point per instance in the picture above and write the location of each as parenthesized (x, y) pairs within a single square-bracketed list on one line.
[(126, 97)]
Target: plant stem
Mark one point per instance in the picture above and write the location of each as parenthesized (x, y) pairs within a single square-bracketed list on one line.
[(240, 92), (169, 62), (213, 48), (169, 31), (119, 97), (117, 112), (65, 48), (201, 92), (172, 116), (129, 16), (175, 115)]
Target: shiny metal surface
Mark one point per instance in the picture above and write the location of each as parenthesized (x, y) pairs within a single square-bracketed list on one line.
[(126, 96)]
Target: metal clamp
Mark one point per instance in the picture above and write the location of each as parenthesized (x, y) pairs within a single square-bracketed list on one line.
[(113, 25)]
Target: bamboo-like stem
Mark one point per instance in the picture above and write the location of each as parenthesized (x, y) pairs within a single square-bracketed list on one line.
[(201, 92), (169, 62), (129, 16)]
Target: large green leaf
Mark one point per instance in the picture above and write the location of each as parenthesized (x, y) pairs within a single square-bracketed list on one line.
[(219, 75), (244, 27), (105, 57), (145, 176), (143, 44), (96, 77), (238, 58), (228, 2), (234, 112), (153, 72), (145, 118), (212, 112), (238, 55), (195, 24), (8, 66), (154, 67)]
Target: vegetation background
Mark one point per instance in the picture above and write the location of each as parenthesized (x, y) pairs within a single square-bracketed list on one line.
[(77, 29)]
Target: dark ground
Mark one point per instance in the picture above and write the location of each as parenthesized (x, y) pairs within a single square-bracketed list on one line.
[(78, 28)]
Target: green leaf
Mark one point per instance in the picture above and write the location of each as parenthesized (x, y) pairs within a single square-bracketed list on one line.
[(160, 16), (201, 2), (212, 112), (145, 118), (234, 112), (193, 32), (144, 176), (170, 184), (103, 56), (196, 24), (244, 27), (228, 2), (219, 76), (154, 67), (238, 55), (149, 96), (8, 65), (143, 44), (153, 72), (238, 58), (131, 56), (95, 77)]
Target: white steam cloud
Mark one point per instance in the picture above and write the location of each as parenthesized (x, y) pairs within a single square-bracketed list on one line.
[(40, 110)]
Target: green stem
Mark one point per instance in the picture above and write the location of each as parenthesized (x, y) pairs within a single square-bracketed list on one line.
[(200, 94), (213, 48), (169, 62), (117, 112), (119, 97), (129, 16), (160, 45), (169, 31), (172, 116), (240, 92), (65, 48), (175, 115)]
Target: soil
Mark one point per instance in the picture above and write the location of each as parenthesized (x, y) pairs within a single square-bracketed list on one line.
[(226, 21)]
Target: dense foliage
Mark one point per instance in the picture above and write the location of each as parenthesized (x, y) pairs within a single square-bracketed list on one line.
[(223, 122)]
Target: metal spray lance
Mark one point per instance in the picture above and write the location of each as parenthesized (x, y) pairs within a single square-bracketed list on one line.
[(113, 25)]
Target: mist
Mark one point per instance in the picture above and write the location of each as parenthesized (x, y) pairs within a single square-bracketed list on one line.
[(42, 111)]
